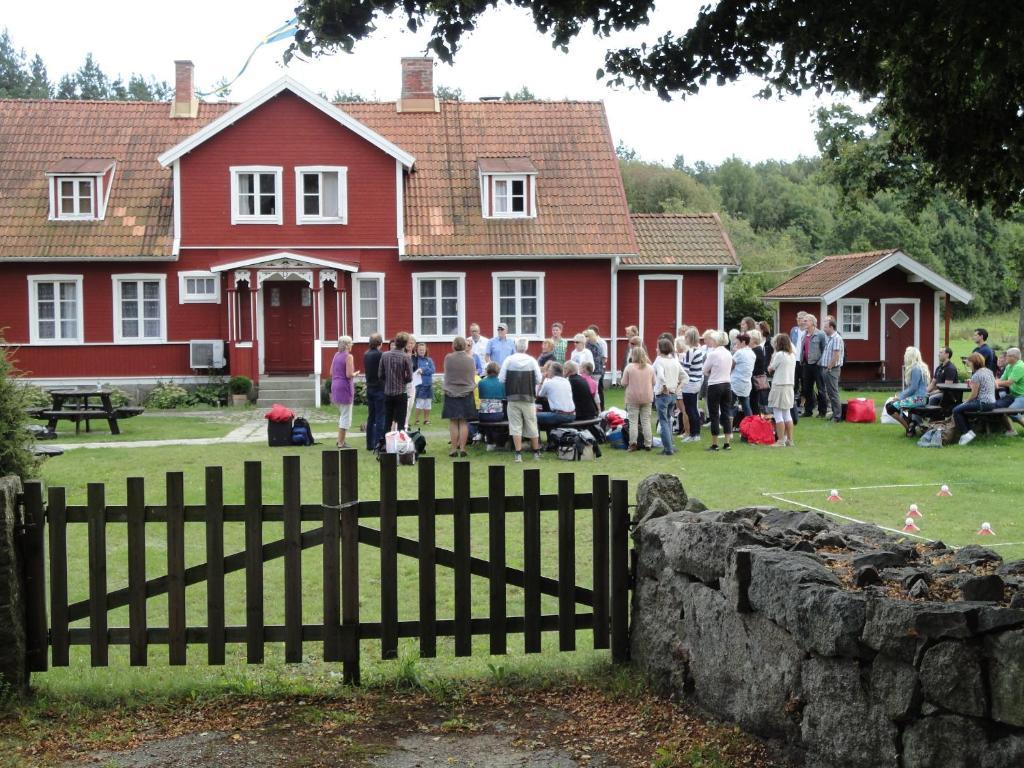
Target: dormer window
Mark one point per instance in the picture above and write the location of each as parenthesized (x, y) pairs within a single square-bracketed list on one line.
[(79, 189), (508, 188)]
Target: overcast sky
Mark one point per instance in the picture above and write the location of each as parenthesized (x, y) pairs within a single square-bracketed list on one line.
[(503, 54)]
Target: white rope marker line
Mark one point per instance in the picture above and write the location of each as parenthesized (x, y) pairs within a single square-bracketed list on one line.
[(897, 531), (857, 488)]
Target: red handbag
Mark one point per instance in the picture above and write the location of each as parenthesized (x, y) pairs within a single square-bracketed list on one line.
[(860, 410), (758, 431)]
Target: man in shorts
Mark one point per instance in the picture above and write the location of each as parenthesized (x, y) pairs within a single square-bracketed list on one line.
[(521, 376)]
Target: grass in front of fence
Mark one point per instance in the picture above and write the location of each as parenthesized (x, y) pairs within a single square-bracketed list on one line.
[(144, 427), (984, 477)]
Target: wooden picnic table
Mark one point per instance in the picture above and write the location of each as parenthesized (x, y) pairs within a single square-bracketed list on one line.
[(86, 404)]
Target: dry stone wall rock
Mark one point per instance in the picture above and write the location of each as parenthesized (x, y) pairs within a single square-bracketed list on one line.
[(754, 614)]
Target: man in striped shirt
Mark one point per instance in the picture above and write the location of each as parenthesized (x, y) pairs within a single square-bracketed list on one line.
[(395, 374), (832, 360)]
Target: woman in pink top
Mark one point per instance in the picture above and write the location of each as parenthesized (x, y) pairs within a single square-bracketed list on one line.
[(717, 371), (638, 380)]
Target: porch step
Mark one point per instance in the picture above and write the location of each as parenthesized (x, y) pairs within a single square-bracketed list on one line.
[(291, 391)]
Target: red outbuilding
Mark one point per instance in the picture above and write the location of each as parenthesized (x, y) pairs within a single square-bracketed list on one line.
[(883, 302), (142, 242)]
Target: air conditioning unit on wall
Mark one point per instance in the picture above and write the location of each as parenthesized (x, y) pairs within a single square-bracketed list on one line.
[(206, 353)]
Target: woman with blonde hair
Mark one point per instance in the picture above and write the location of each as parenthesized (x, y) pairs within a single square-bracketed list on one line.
[(915, 389), (638, 380), (343, 370), (781, 399), (684, 422), (693, 367)]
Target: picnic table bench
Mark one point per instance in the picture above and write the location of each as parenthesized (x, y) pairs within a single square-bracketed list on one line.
[(73, 404)]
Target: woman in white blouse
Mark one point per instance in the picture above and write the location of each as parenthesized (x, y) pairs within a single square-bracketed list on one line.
[(782, 369)]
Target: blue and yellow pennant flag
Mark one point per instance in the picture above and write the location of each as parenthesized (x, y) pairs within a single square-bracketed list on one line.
[(284, 32)]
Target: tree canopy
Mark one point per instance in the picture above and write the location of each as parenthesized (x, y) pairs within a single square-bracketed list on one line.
[(24, 78), (948, 74)]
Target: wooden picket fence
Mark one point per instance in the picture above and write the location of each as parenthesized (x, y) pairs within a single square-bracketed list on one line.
[(604, 603)]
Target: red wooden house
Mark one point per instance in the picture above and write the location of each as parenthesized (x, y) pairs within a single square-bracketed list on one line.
[(883, 302), (141, 243)]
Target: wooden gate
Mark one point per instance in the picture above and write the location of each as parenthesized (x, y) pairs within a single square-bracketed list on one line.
[(604, 603)]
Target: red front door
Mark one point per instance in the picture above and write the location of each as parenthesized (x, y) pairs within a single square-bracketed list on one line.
[(661, 311), (288, 327), (898, 325)]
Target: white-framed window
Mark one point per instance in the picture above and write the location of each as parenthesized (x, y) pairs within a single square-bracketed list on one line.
[(438, 300), (55, 309), (256, 194), (198, 287), (75, 198), (519, 302), (508, 196), (368, 305), (321, 194), (140, 315), (852, 318)]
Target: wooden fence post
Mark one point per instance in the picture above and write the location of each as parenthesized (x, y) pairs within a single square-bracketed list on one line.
[(292, 487), (566, 561), (349, 501), (428, 557), (56, 512), (601, 507), (254, 621), (496, 555), (620, 570), (34, 565), (389, 556), (330, 489), (214, 565), (531, 560), (96, 494), (463, 576), (176, 568), (137, 622)]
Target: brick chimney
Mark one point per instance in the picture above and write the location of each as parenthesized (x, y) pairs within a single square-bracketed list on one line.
[(185, 103), (418, 85)]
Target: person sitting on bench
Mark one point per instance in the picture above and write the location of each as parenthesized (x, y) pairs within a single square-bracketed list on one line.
[(582, 398), (492, 404), (558, 391), (981, 399), (915, 387), (1012, 380), (945, 373)]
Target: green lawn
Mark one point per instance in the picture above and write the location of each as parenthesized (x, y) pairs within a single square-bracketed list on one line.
[(984, 477), (145, 427), (1002, 334)]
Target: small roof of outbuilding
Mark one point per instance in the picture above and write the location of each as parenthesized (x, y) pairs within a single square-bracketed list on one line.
[(681, 239), (835, 276)]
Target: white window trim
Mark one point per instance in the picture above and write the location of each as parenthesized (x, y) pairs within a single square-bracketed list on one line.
[(117, 280), (487, 190), (342, 171), (863, 304), (496, 277), (377, 277), (184, 297), (95, 184), (417, 278), (33, 310), (642, 298), (239, 218)]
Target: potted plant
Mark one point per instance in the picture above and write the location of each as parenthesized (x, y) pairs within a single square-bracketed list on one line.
[(239, 387)]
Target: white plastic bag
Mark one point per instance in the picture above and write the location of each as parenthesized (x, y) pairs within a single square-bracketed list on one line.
[(885, 418), (398, 442)]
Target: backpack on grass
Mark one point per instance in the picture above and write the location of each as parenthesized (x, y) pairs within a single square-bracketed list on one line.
[(302, 433)]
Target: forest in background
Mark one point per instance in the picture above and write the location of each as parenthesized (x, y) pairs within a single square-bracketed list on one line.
[(785, 215)]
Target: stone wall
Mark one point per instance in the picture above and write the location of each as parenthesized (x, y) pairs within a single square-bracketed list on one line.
[(13, 670), (771, 619)]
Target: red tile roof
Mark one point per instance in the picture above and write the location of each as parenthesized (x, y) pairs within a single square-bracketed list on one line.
[(81, 165), (683, 239), (506, 165), (828, 274), (581, 203), (36, 136)]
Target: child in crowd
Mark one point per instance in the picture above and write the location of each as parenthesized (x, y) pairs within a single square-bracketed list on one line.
[(424, 366)]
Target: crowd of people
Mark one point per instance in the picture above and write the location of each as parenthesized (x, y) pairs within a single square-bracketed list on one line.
[(748, 372)]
